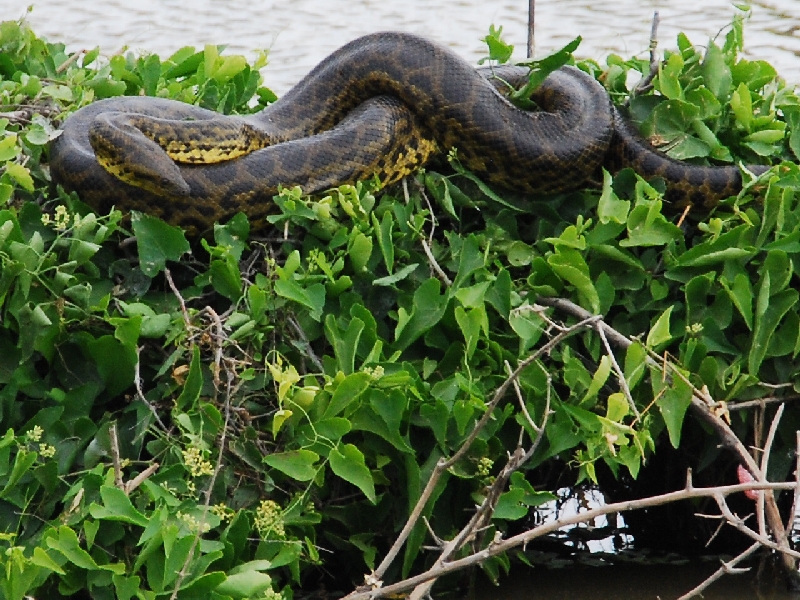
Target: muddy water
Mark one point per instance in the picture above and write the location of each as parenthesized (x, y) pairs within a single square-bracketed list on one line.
[(300, 33)]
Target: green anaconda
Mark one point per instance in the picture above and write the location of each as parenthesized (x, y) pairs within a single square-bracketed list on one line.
[(379, 105)]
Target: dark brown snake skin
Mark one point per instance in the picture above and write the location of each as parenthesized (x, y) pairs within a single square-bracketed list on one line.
[(360, 110)]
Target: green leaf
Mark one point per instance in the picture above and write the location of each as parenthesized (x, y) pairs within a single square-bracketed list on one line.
[(194, 383), (312, 297), (741, 294), (396, 277), (23, 461), (673, 403), (65, 541), (571, 266), (769, 312), (345, 344), (116, 363), (428, 308), (347, 462), (226, 278), (244, 585), (347, 392), (21, 175), (157, 242), (297, 464), (659, 333), (117, 507)]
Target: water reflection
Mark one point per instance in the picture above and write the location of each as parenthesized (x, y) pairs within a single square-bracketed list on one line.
[(303, 32)]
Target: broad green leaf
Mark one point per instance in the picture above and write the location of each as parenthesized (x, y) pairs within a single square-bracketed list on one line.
[(770, 311), (398, 276), (428, 308), (741, 294), (347, 462), (194, 383), (312, 297), (245, 585), (346, 392), (297, 464), (659, 333), (117, 507), (157, 242), (673, 403), (571, 266), (65, 541)]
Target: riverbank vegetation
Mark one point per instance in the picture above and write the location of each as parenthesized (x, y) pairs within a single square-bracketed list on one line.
[(391, 381)]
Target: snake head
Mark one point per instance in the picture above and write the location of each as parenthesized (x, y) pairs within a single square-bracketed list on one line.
[(130, 156)]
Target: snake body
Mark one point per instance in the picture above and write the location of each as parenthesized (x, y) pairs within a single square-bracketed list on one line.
[(381, 105)]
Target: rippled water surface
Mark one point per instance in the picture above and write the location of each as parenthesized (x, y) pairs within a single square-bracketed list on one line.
[(300, 33)]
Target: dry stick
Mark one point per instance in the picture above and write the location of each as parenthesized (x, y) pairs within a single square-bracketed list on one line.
[(137, 382), (186, 321), (445, 464), (112, 433), (773, 428), (738, 523), (645, 84), (790, 519), (140, 478), (701, 403), (727, 567), (762, 402), (425, 246), (521, 539), (623, 383), (531, 21)]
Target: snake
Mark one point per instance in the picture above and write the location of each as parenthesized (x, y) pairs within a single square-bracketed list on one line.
[(379, 107)]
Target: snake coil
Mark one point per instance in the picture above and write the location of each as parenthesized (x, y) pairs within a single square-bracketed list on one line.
[(381, 105)]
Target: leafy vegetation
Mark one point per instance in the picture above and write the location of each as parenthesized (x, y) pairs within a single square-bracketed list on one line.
[(232, 418)]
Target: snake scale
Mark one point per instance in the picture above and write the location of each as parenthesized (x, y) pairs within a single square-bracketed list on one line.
[(380, 105)]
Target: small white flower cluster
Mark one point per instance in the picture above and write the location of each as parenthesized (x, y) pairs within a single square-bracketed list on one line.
[(484, 467), (35, 435), (193, 459), (269, 518), (194, 524), (61, 218), (375, 373)]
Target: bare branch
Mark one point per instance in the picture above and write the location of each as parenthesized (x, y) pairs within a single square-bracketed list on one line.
[(112, 433), (727, 567), (502, 546)]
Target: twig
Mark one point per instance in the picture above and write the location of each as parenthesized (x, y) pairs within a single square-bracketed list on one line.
[(306, 344), (140, 478), (65, 65), (137, 382), (646, 83), (739, 524), (773, 428), (531, 23), (425, 246), (762, 401), (623, 383), (112, 433), (186, 321), (726, 568), (793, 512)]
